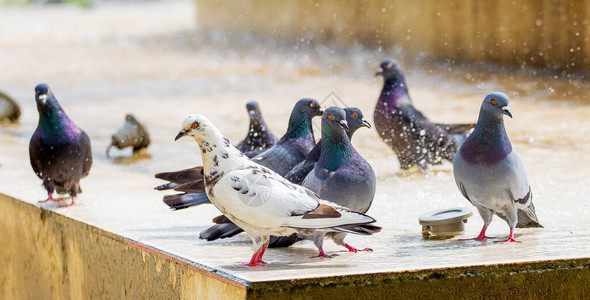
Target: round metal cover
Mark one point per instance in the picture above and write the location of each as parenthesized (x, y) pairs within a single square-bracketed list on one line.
[(445, 216)]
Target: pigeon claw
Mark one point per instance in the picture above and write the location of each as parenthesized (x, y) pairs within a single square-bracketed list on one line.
[(323, 254), (355, 250), (250, 264), (50, 198), (480, 238), (508, 240)]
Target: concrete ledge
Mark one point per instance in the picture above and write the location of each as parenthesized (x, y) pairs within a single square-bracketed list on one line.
[(48, 254)]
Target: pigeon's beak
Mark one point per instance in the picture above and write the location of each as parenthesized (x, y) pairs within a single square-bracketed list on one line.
[(320, 112), (506, 111), (366, 123), (379, 72), (180, 134), (344, 125)]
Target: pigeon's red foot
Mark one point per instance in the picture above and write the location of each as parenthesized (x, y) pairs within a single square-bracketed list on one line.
[(481, 238), (256, 258), (250, 264), (323, 254), (509, 240), (73, 202), (50, 198), (355, 250)]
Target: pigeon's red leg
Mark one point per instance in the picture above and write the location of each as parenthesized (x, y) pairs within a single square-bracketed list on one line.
[(257, 257), (323, 254), (510, 238), (355, 250), (50, 198), (73, 202), (482, 235), (263, 249)]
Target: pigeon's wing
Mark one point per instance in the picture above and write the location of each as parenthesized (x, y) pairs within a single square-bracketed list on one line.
[(520, 191), (253, 153), (517, 181), (84, 145), (439, 143), (34, 154), (456, 128), (353, 188), (300, 171), (258, 193), (279, 158), (182, 176)]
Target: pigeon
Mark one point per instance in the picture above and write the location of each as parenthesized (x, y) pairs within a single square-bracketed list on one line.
[(259, 200), (491, 175), (341, 175), (259, 137), (415, 140), (355, 120), (297, 142), (291, 149), (59, 150)]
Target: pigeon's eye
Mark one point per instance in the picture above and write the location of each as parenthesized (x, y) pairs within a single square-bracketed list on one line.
[(354, 116), (494, 102), (195, 125), (331, 117), (312, 105)]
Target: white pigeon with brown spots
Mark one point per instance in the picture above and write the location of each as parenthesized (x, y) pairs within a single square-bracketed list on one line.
[(259, 200)]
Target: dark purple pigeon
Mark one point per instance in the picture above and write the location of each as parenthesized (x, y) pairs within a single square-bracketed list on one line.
[(415, 140), (59, 150)]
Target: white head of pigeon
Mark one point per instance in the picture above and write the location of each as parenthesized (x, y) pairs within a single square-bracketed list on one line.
[(491, 175), (259, 200)]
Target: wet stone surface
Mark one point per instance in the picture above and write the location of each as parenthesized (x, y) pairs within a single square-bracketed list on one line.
[(141, 59)]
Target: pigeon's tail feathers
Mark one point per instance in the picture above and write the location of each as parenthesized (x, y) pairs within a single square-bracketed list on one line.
[(361, 229), (220, 231), (283, 241), (193, 187), (182, 176), (180, 201), (457, 128), (528, 218), (327, 216), (166, 186)]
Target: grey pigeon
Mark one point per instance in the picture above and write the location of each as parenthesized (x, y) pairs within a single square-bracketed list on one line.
[(355, 120), (491, 175), (59, 150), (341, 175), (259, 137), (415, 140), (291, 149), (258, 199)]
